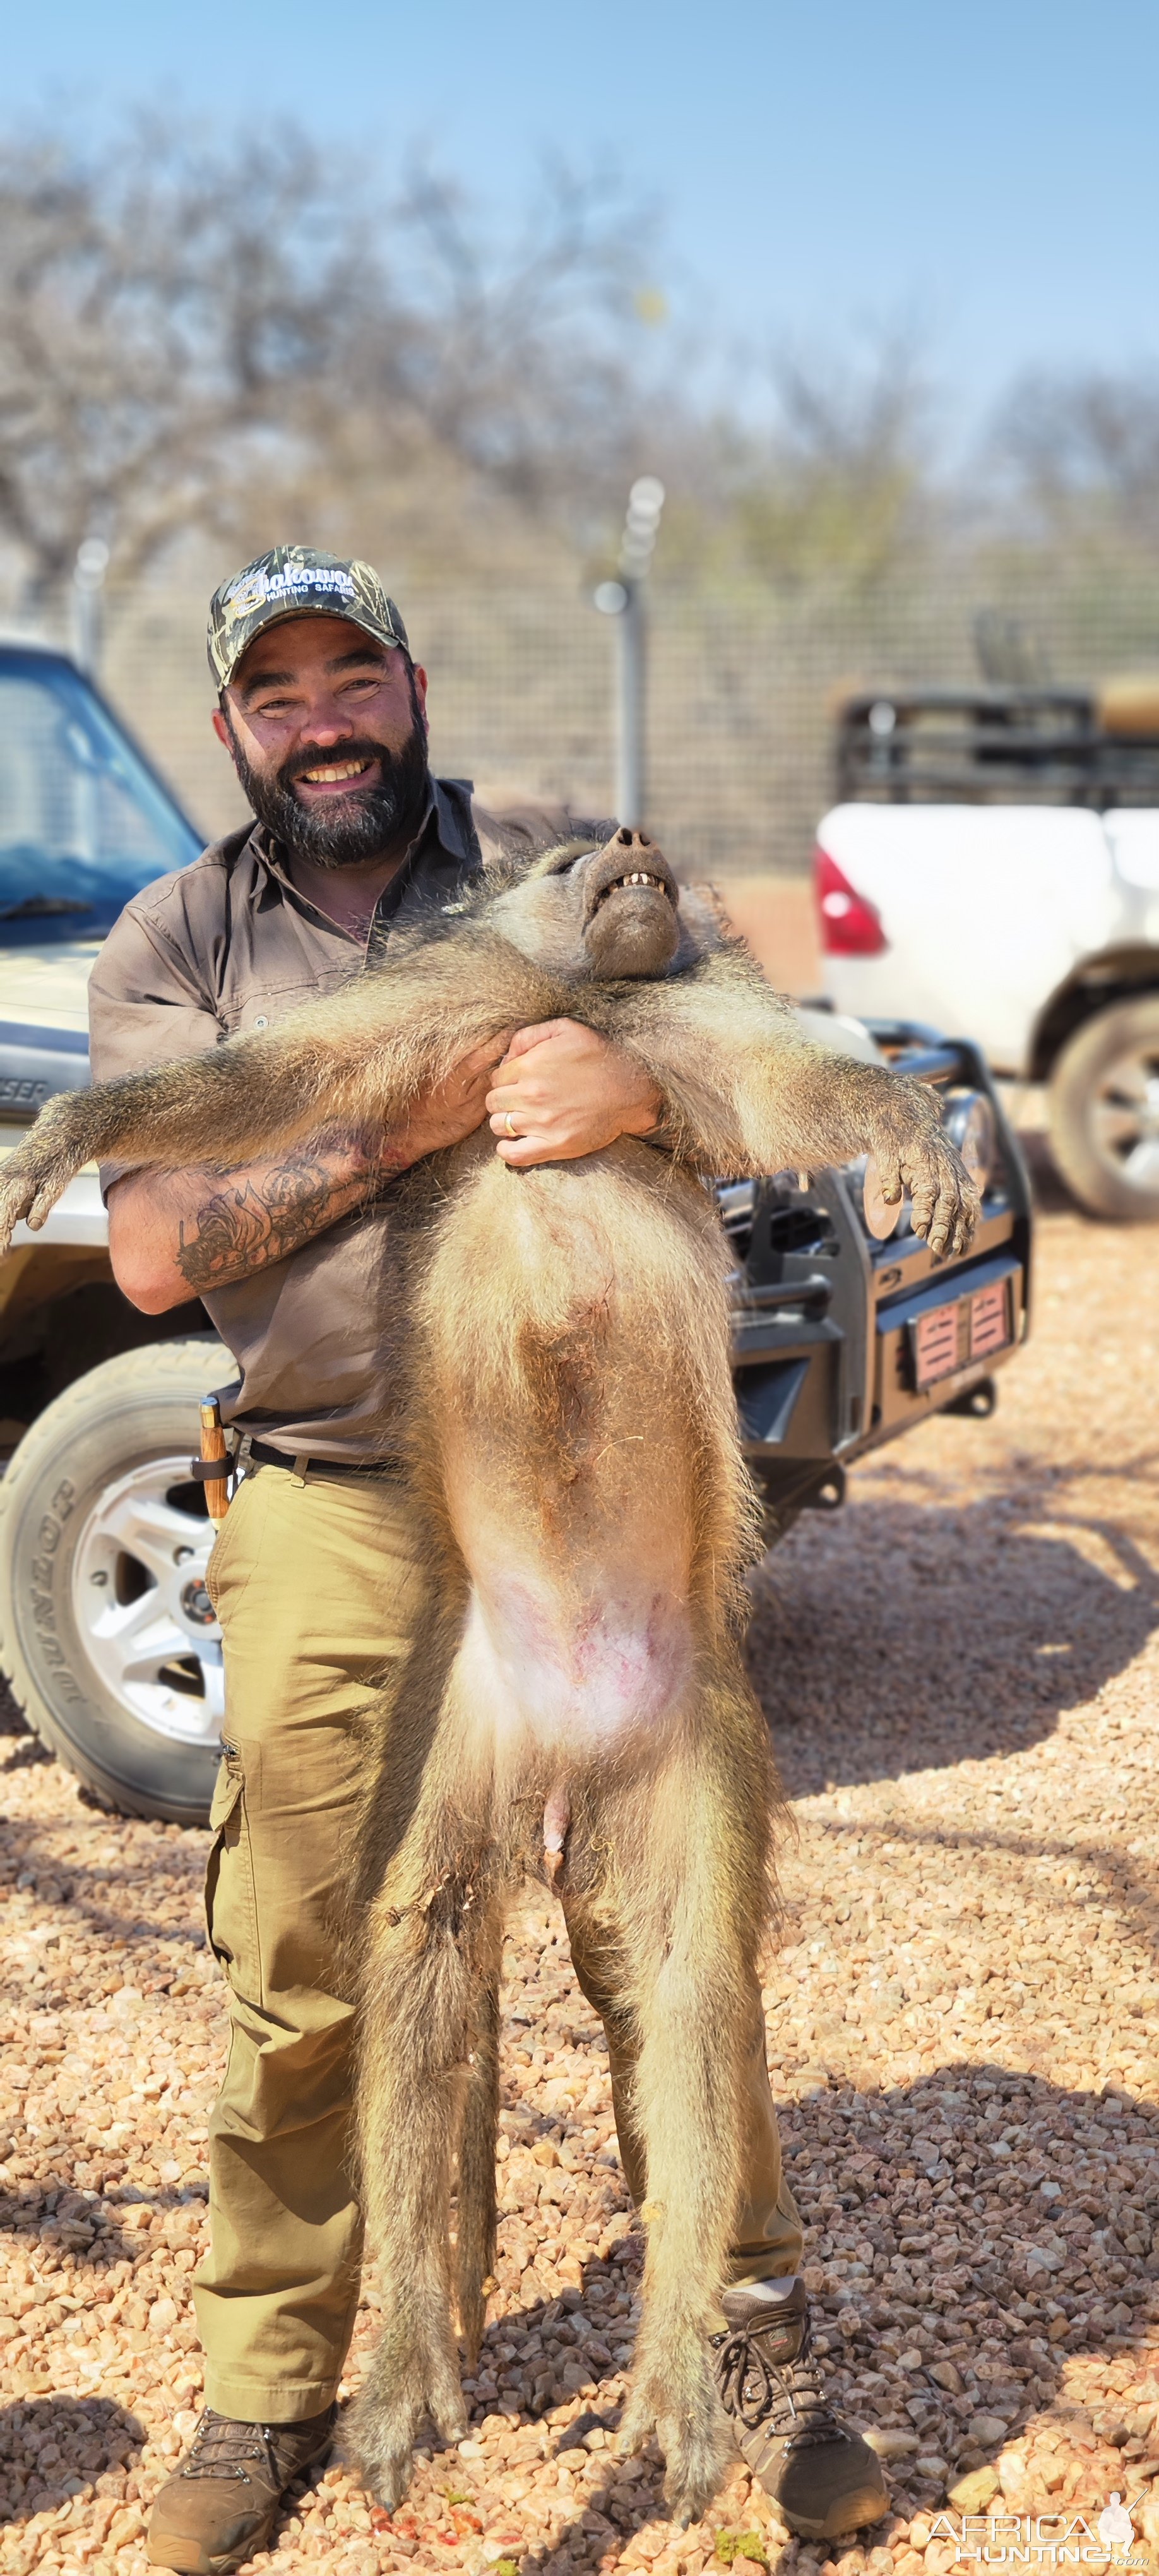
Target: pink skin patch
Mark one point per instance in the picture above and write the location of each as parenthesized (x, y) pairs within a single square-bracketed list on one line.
[(619, 1664)]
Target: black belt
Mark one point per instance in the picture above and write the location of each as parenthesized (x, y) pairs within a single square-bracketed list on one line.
[(300, 1463)]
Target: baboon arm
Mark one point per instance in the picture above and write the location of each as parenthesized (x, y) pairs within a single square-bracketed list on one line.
[(361, 1058), (746, 1092)]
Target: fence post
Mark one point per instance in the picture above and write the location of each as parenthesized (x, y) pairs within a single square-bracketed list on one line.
[(88, 578), (625, 601)]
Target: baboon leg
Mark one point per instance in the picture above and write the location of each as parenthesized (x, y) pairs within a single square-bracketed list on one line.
[(430, 1945), (475, 2250), (692, 1917)]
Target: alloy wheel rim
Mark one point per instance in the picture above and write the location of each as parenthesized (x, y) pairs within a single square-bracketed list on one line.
[(1125, 1119), (141, 1607)]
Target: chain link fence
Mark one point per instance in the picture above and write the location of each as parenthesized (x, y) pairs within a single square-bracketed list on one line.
[(741, 689)]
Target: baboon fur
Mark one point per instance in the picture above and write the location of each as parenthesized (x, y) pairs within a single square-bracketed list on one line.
[(576, 1699)]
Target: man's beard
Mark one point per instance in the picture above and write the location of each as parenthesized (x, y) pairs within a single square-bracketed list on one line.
[(348, 829)]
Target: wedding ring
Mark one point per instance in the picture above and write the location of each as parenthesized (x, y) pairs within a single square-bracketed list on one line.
[(512, 1129)]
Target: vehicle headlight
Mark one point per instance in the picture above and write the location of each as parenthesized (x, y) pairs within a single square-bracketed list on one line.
[(969, 1122)]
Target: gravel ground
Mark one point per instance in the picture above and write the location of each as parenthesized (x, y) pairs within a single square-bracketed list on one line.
[(960, 1669)]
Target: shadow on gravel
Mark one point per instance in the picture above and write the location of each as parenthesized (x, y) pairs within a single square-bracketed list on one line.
[(96, 2227), (148, 1949), (44, 2440), (51, 1880), (916, 1635), (962, 2306), (26, 1748)]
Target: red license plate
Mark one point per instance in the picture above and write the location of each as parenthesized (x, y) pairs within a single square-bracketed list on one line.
[(989, 1319), (951, 1337), (938, 1341)]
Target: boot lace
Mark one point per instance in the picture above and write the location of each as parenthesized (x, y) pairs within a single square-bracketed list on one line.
[(220, 2449), (783, 2398)]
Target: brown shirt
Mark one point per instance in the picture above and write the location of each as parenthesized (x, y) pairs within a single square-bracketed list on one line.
[(230, 944)]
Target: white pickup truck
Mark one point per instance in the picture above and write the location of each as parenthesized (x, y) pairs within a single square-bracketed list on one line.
[(993, 864)]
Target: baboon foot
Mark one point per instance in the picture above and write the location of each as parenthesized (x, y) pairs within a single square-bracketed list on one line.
[(380, 2430), (681, 2410), (382, 2458)]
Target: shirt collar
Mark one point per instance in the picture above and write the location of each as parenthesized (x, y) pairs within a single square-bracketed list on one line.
[(443, 850)]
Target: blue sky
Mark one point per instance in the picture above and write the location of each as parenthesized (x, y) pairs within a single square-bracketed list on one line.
[(989, 168)]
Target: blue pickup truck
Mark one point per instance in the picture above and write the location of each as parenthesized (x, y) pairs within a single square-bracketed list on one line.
[(843, 1337)]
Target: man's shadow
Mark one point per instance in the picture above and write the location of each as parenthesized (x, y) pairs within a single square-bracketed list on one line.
[(956, 2344), (901, 1636)]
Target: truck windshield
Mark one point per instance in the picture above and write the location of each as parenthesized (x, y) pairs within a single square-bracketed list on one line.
[(84, 823)]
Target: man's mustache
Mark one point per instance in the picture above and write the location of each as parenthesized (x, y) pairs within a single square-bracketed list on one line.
[(333, 756)]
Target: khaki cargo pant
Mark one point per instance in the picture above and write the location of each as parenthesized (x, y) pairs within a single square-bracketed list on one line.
[(317, 1582)]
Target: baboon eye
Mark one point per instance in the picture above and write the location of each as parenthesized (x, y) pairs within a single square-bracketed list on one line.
[(563, 867)]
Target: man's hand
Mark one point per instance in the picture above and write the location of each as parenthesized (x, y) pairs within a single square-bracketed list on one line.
[(453, 1111), (566, 1092)]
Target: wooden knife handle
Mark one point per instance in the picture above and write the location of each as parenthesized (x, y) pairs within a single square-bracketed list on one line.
[(212, 1448)]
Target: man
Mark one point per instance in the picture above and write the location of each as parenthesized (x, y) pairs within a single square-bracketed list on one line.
[(315, 1574)]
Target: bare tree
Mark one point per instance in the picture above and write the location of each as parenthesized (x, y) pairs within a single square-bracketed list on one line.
[(174, 322), (842, 486), (529, 365), (158, 313), (1080, 454)]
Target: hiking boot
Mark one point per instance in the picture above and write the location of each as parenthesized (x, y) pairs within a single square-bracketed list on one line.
[(222, 2503), (823, 2479)]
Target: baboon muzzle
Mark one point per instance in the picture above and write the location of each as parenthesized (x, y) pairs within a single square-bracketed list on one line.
[(630, 899)]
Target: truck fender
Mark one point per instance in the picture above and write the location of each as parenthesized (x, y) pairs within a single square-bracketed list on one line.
[(1108, 975)]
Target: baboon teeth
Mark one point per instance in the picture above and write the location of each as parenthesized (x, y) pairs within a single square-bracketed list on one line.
[(631, 878)]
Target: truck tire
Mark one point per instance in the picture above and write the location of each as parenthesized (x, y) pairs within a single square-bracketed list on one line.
[(107, 1634), (1104, 1111)]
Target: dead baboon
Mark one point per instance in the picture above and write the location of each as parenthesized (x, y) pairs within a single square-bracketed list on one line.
[(576, 1700)]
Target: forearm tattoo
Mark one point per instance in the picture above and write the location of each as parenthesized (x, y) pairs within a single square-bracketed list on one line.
[(260, 1217)]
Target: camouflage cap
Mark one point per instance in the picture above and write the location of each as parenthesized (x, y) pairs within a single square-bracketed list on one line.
[(295, 581)]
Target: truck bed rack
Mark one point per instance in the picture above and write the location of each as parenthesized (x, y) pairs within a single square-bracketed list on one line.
[(991, 745)]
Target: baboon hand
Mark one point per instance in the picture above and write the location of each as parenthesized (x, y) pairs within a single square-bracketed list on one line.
[(56, 1149), (945, 1202), (31, 1181)]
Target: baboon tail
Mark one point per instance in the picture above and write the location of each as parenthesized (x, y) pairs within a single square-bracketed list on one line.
[(475, 2252), (692, 1917)]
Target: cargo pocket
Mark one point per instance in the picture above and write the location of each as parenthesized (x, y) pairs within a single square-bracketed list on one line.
[(230, 1896)]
